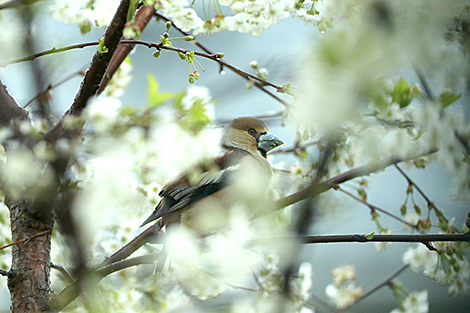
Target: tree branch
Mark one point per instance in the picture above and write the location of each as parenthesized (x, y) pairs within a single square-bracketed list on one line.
[(26, 239), (96, 71), (305, 219), (384, 283), (72, 291), (375, 208), (421, 192), (133, 245), (425, 239), (63, 271), (316, 189), (142, 18), (259, 82)]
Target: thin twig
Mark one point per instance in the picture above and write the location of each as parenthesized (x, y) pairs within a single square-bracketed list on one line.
[(4, 273), (304, 221), (51, 51), (315, 189), (26, 239), (297, 147), (52, 86), (421, 192), (259, 82), (63, 271), (384, 283), (375, 208)]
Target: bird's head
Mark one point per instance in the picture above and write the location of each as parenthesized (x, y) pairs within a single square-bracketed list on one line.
[(249, 134)]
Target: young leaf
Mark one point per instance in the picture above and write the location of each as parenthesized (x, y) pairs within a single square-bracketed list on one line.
[(401, 93), (447, 98), (155, 97)]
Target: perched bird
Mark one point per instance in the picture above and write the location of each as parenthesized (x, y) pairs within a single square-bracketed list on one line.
[(200, 198)]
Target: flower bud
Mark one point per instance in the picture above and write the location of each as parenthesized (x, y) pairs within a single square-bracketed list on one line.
[(191, 78)]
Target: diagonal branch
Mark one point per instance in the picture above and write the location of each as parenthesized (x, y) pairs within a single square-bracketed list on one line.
[(142, 18), (72, 291), (259, 83), (96, 71), (376, 208), (384, 283), (316, 189), (431, 204)]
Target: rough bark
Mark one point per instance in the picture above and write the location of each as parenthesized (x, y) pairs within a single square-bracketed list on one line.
[(28, 278)]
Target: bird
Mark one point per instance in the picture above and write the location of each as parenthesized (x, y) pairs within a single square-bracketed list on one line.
[(199, 198)]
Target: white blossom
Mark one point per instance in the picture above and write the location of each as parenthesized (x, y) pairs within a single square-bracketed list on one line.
[(412, 218), (415, 302), (420, 258), (344, 296), (343, 274), (380, 246)]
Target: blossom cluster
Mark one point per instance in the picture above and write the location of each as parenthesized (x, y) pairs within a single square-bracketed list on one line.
[(245, 16), (343, 291), (414, 302)]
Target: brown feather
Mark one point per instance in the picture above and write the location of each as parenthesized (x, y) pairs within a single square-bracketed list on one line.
[(197, 189)]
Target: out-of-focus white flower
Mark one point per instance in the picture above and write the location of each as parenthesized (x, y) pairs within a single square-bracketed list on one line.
[(412, 218), (415, 302), (197, 93), (184, 17), (174, 300), (151, 192), (186, 266), (120, 80), (420, 258), (343, 274), (80, 11), (24, 175), (103, 12), (304, 282), (380, 246), (343, 296), (343, 292), (102, 113)]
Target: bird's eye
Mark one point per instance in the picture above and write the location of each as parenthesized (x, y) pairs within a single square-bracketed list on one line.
[(251, 131)]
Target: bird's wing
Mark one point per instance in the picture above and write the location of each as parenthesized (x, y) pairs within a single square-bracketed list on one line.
[(193, 186)]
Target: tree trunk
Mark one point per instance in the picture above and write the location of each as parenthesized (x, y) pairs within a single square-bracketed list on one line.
[(28, 278)]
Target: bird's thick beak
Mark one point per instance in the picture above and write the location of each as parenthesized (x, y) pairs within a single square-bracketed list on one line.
[(268, 141)]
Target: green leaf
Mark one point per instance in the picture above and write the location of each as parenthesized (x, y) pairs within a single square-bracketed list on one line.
[(447, 98), (102, 49), (401, 93), (155, 97), (370, 236), (178, 101), (132, 8)]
